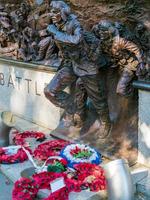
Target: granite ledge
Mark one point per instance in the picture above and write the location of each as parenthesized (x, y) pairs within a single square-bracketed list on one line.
[(28, 65), (142, 85)]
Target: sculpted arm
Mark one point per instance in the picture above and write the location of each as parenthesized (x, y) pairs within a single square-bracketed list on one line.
[(74, 38), (70, 39), (122, 43)]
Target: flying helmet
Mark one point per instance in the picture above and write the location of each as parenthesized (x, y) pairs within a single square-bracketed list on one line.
[(105, 29), (61, 7)]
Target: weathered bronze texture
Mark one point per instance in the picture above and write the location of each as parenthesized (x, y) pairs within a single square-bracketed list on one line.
[(123, 53), (87, 56), (81, 52), (31, 45)]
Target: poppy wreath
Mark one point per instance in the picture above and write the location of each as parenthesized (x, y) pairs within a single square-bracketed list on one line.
[(43, 181), (88, 176), (28, 188), (24, 188), (80, 153), (50, 148), (17, 157), (19, 138)]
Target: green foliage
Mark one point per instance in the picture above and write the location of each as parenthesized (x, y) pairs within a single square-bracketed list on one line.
[(83, 154), (56, 167)]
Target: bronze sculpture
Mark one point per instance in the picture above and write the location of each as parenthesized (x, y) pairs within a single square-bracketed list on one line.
[(22, 33), (81, 58), (46, 46), (20, 38), (123, 53), (8, 47)]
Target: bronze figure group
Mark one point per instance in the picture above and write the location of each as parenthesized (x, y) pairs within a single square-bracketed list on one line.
[(83, 55)]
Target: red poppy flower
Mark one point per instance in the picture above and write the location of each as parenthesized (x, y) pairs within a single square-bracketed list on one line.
[(50, 148), (19, 138)]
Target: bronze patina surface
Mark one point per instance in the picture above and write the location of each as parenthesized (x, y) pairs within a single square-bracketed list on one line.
[(102, 75)]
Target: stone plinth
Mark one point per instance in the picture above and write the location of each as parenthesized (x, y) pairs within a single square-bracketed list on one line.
[(144, 122), (21, 92)]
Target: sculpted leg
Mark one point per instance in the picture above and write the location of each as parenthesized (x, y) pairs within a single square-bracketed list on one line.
[(55, 94), (80, 101), (97, 93), (43, 46)]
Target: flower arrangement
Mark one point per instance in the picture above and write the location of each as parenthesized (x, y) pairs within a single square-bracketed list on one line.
[(12, 154), (86, 176), (80, 153), (50, 148), (27, 189), (19, 138), (59, 155), (91, 175), (56, 164), (43, 181)]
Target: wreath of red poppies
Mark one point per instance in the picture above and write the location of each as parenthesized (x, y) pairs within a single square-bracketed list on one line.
[(90, 176), (20, 156), (24, 188), (50, 148), (28, 189), (19, 138)]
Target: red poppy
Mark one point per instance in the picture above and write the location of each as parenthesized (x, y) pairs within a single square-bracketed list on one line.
[(19, 138), (50, 148), (20, 156)]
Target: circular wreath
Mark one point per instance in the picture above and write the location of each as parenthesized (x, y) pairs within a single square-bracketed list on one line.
[(80, 153), (50, 148), (27, 189), (89, 176), (19, 138), (12, 154), (24, 188)]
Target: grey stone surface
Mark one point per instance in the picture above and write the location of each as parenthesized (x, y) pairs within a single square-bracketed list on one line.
[(144, 128), (139, 174), (143, 186), (13, 171), (21, 91), (5, 188), (87, 195)]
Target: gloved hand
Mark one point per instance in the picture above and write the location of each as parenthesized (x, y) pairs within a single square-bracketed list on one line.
[(52, 29), (124, 86)]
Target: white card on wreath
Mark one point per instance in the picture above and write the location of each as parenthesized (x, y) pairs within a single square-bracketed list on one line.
[(57, 184)]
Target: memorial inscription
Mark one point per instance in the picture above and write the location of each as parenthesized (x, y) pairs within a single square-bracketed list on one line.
[(16, 82), (21, 91)]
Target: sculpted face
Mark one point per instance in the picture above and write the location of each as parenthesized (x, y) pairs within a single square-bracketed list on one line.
[(104, 34), (56, 15), (19, 17)]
